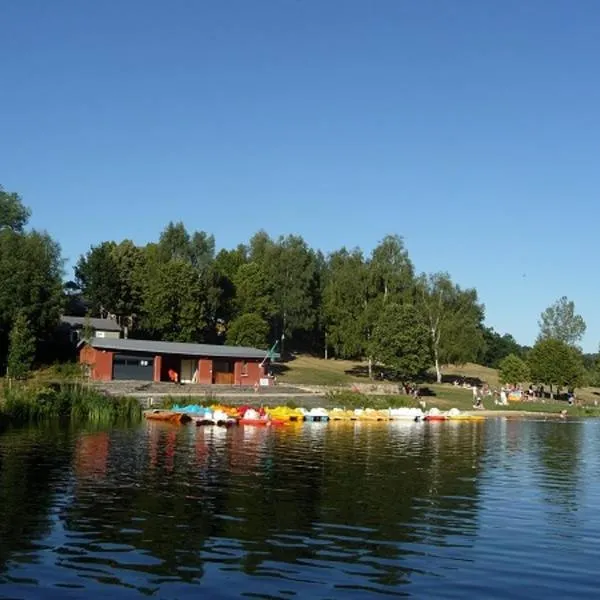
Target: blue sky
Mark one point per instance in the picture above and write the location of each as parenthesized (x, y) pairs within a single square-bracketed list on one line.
[(470, 128)]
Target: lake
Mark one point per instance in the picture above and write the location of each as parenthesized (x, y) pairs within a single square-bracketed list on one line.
[(499, 509)]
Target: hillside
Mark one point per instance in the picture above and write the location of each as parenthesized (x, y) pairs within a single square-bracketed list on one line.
[(309, 370)]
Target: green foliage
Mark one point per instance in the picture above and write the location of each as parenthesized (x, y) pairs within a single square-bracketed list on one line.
[(30, 282), (87, 333), (555, 363), (454, 317), (391, 273), (351, 400), (560, 322), (13, 214), (400, 341), (345, 304), (248, 330), (513, 370), (97, 276), (173, 308), (21, 350), (254, 291), (22, 404), (496, 347), (175, 243)]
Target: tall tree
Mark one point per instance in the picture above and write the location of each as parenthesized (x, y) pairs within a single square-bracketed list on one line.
[(400, 341), (21, 349), (30, 274), (453, 317), (97, 275), (31, 281), (345, 304), (391, 270), (254, 291), (560, 322), (290, 269), (129, 261), (174, 306), (174, 243), (202, 250)]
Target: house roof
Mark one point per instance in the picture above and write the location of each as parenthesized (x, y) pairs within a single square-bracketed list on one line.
[(152, 347), (98, 324)]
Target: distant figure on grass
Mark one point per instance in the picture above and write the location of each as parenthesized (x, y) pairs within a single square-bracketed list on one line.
[(477, 399)]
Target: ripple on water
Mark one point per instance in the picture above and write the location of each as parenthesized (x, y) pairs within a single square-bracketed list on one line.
[(502, 509)]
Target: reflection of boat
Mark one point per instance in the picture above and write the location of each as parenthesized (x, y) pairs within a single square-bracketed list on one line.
[(435, 418), (203, 422), (466, 418), (167, 416), (262, 422)]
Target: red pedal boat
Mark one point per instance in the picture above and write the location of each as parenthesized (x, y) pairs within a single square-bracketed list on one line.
[(262, 422)]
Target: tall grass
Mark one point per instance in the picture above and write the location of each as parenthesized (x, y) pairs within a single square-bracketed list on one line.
[(28, 403)]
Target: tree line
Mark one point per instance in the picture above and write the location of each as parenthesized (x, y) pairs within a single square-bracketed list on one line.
[(347, 304), (344, 305)]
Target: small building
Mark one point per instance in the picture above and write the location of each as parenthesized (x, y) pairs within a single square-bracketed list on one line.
[(102, 328), (145, 360)]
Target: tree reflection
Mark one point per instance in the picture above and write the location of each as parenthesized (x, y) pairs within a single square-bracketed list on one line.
[(31, 462), (248, 497)]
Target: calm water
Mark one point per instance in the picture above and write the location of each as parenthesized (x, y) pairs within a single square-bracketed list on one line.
[(501, 509)]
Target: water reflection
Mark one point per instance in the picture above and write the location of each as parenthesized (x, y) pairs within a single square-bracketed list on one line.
[(313, 510)]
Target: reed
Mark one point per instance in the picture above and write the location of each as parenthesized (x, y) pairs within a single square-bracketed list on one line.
[(24, 403)]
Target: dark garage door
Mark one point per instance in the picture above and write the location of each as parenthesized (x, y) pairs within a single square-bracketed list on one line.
[(127, 366)]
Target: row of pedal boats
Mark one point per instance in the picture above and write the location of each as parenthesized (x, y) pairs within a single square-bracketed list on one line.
[(225, 416)]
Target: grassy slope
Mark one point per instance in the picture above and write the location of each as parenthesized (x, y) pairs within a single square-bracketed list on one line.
[(316, 371)]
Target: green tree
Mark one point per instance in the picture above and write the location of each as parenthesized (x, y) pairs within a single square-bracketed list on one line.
[(21, 350), (30, 274), (513, 370), (254, 291), (30, 282), (497, 347), (400, 341), (98, 278), (174, 306), (555, 363), (290, 270), (13, 214), (454, 317), (390, 269), (87, 333), (248, 330), (560, 322), (345, 303)]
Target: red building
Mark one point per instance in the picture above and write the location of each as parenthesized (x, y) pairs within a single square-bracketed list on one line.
[(145, 360)]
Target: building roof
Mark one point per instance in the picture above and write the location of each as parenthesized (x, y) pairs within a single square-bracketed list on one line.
[(98, 324), (181, 349)]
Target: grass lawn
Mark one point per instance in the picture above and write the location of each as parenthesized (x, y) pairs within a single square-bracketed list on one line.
[(318, 371), (309, 370)]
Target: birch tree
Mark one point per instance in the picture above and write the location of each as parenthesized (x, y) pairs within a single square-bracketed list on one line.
[(453, 317)]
